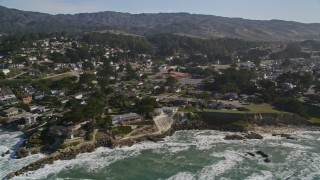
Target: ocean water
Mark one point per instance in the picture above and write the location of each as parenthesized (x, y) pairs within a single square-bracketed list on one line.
[(185, 155), (12, 141)]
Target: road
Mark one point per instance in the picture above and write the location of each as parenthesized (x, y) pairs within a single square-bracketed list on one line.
[(25, 72)]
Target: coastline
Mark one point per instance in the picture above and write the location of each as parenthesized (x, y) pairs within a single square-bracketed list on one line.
[(72, 152), (283, 129)]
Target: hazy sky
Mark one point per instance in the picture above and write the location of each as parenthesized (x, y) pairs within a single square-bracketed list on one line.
[(295, 10)]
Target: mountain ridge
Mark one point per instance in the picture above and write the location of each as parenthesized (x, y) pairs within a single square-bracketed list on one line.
[(197, 25)]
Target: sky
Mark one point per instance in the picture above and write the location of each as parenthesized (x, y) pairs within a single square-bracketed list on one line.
[(307, 11)]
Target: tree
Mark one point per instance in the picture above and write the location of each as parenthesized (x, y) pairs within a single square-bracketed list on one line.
[(76, 116), (171, 81), (146, 106), (88, 65), (144, 76), (107, 91), (57, 57), (72, 55), (94, 108), (105, 122), (84, 53), (19, 60), (160, 90), (87, 78), (155, 69), (72, 104), (2, 76), (232, 80), (291, 105)]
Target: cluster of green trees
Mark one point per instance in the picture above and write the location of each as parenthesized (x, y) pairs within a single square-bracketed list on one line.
[(232, 80), (72, 55), (170, 44), (293, 50), (293, 105), (92, 110), (136, 44)]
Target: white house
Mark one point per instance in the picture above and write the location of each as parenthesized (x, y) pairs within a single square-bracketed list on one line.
[(5, 71)]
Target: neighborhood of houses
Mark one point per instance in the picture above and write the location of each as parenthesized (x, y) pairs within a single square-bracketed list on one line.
[(32, 106)]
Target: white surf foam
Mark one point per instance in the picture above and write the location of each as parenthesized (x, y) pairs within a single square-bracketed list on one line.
[(214, 170), (263, 175), (182, 176)]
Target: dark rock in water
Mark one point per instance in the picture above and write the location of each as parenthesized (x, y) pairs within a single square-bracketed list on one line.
[(234, 137), (287, 136), (262, 154), (154, 139), (251, 154), (22, 152), (267, 160), (291, 138), (2, 155), (8, 152), (253, 136)]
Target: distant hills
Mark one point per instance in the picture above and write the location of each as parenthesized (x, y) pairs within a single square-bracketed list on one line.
[(203, 26)]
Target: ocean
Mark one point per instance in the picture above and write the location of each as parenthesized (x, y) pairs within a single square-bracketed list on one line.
[(185, 155)]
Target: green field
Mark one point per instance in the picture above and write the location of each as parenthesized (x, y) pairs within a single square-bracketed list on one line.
[(254, 108), (262, 108), (315, 120)]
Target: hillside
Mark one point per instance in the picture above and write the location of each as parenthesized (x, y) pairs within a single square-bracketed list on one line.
[(204, 26)]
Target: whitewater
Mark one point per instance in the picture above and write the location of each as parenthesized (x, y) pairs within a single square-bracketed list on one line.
[(185, 155)]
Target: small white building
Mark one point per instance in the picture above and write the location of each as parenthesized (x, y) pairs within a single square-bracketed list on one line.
[(5, 71)]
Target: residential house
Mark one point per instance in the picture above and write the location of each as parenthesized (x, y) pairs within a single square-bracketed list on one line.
[(38, 95), (7, 97), (57, 92), (180, 102), (35, 72), (26, 98), (68, 132), (64, 100), (77, 96), (126, 119), (28, 90), (10, 112), (5, 71), (29, 118)]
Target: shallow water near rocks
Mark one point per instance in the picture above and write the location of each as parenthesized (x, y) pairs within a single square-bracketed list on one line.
[(188, 155)]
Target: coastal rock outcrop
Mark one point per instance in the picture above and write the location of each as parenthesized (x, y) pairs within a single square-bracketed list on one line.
[(262, 154), (253, 136), (23, 152), (287, 136), (65, 154)]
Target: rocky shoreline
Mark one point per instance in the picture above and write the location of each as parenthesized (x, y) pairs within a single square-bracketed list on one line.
[(247, 133), (71, 152)]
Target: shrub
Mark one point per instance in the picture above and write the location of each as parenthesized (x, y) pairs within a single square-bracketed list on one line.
[(121, 130)]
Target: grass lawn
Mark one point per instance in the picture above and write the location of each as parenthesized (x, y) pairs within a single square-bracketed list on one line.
[(314, 120), (58, 77), (254, 108), (261, 108), (227, 111), (218, 67)]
